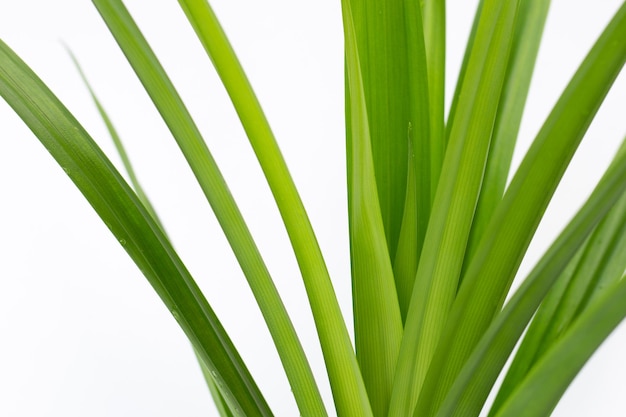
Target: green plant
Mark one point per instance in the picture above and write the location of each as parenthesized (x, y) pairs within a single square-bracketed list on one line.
[(387, 119)]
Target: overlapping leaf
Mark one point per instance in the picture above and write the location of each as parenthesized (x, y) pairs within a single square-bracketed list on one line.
[(343, 371), (192, 145), (505, 240), (453, 209), (133, 226)]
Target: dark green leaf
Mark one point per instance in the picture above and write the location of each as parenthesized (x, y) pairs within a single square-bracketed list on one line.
[(132, 225)]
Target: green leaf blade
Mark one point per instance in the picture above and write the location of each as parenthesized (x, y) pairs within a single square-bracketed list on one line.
[(218, 398), (416, 212), (541, 390), (409, 242), (474, 382), (343, 371), (132, 225), (384, 63), (434, 22), (461, 77), (529, 26), (119, 145), (377, 320), (504, 242), (179, 121), (600, 264), (453, 209)]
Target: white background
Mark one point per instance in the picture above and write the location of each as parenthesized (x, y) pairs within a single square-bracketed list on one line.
[(81, 331)]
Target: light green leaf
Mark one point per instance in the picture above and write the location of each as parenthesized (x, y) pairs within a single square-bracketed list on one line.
[(459, 82), (453, 209), (119, 146), (434, 22), (382, 47), (470, 389), (409, 244), (191, 143), (540, 391), (527, 37), (377, 321), (417, 202), (600, 264), (505, 240), (343, 370)]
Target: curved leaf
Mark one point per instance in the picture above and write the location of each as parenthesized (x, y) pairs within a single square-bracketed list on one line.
[(470, 389), (218, 398), (133, 227), (600, 264), (527, 37), (343, 370), (540, 391), (510, 230)]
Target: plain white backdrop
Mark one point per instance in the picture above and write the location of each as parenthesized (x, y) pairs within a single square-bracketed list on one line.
[(81, 331)]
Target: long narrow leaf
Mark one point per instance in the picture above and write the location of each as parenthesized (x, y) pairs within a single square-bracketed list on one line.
[(218, 398), (453, 209), (418, 185), (564, 360), (382, 47), (527, 37), (119, 146), (504, 242), (343, 371), (378, 325), (466, 56), (470, 389), (525, 354), (132, 225), (602, 262), (434, 23), (409, 242), (191, 143)]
